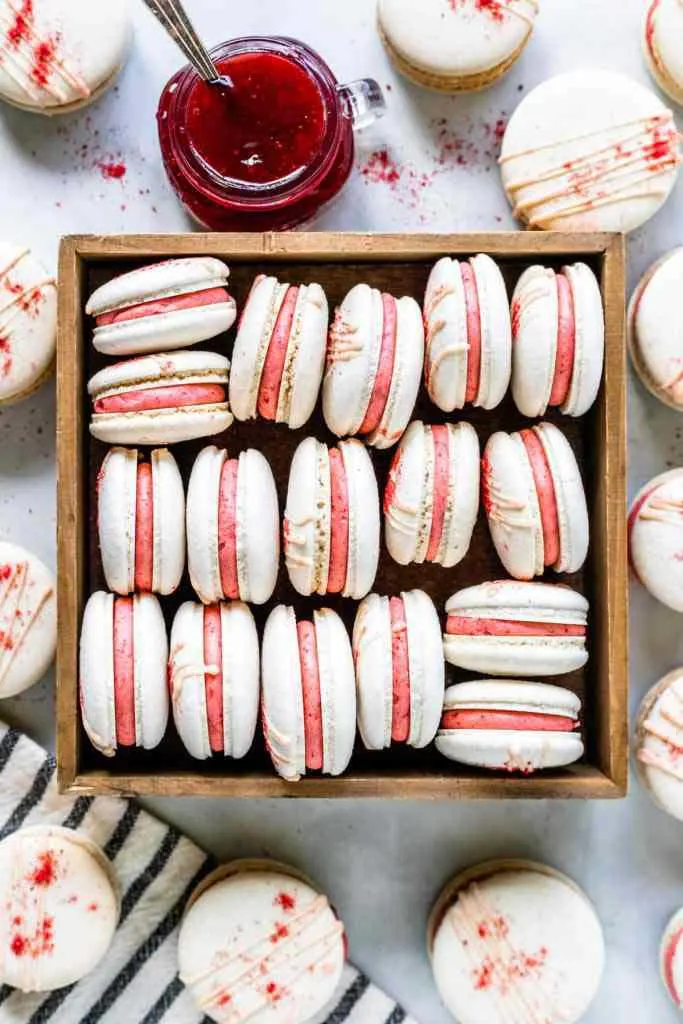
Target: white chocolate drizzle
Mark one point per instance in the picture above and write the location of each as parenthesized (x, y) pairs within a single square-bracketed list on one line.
[(17, 298), (42, 79), (669, 731), (342, 346), (17, 619), (668, 511)]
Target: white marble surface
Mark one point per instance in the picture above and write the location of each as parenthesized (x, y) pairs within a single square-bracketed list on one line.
[(382, 863)]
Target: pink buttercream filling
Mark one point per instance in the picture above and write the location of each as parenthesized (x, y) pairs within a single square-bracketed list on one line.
[(473, 332), (124, 672), (213, 681), (440, 490), (460, 625), (170, 396), (339, 534), (400, 672), (227, 529), (547, 500), (385, 368), (207, 297), (144, 528), (566, 342), (310, 683), (274, 364), (517, 721)]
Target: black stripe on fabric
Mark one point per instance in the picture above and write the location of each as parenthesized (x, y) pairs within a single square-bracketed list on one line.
[(397, 1016), (5, 992), (348, 1001), (122, 830), (164, 1002), (9, 742), (35, 794), (155, 866), (78, 812)]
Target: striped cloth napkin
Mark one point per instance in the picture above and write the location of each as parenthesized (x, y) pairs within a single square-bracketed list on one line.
[(158, 867)]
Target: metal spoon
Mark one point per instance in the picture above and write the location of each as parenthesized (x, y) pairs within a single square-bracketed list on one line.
[(176, 21)]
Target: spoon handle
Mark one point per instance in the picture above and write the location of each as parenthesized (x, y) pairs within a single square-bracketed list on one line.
[(176, 21)]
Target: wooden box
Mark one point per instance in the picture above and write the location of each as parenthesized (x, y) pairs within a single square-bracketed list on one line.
[(399, 264)]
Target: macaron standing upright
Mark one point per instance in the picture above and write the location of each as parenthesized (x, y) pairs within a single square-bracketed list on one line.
[(431, 500), (655, 330), (213, 677), (28, 322), (535, 501), (141, 521), (309, 697), (279, 353), (455, 45), (331, 523), (589, 150), (468, 357), (400, 672), (655, 532), (163, 306), (657, 743), (558, 334), (233, 527), (662, 46), (28, 619), (375, 357)]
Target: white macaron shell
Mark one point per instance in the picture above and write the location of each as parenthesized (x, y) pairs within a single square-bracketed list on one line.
[(153, 371), (116, 504), (407, 520), (570, 497), (96, 673), (203, 494), (364, 519), (28, 619), (513, 511), (656, 329), (176, 328), (512, 695), (426, 666), (258, 528), (463, 494), (28, 327), (589, 345), (374, 675), (353, 353), (406, 376), (337, 690), (656, 538), (251, 344), (305, 362), (282, 696), (535, 305), (168, 426), (150, 661), (658, 739), (445, 315), (241, 678), (496, 332), (663, 32), (168, 509), (307, 526), (158, 281), (187, 679), (671, 959)]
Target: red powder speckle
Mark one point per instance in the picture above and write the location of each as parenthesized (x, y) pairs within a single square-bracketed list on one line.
[(661, 147), (13, 287), (274, 992), (16, 921), (19, 945), (92, 907), (44, 54), (46, 871), (496, 8), (380, 166), (72, 899), (6, 641), (4, 344), (223, 999), (112, 170), (5, 572), (31, 302), (285, 899), (281, 932), (483, 975), (516, 313), (20, 29)]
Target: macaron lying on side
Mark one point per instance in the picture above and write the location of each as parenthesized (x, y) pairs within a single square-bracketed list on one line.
[(662, 36), (671, 959), (655, 532), (558, 330), (28, 322), (213, 676), (375, 357), (657, 743), (431, 500), (233, 527), (309, 696), (164, 306), (331, 524), (512, 628), (655, 330), (141, 521), (122, 674), (468, 356), (161, 399), (28, 619), (279, 354), (535, 501), (400, 671), (510, 725)]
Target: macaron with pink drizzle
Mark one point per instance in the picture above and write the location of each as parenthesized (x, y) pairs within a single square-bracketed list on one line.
[(28, 322), (164, 306), (662, 45), (309, 696), (671, 959), (558, 335), (509, 725), (657, 743), (468, 356), (122, 672), (655, 534), (28, 619), (161, 399), (279, 353), (213, 676), (400, 671), (655, 330)]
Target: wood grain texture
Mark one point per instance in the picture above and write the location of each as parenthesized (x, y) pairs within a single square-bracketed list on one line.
[(400, 264)]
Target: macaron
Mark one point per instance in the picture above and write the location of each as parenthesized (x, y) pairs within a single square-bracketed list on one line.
[(141, 521), (213, 676), (655, 332), (161, 399), (28, 321), (431, 498), (60, 900), (164, 306), (671, 959), (558, 333), (122, 673), (331, 523), (28, 619), (400, 671), (657, 743), (663, 32), (468, 356), (309, 697), (512, 940), (233, 527), (510, 628), (375, 357), (279, 354), (589, 150), (535, 501), (512, 726), (260, 942), (60, 55), (455, 45), (655, 532)]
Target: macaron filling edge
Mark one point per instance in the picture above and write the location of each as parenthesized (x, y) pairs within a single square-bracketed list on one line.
[(213, 675), (169, 396), (171, 304)]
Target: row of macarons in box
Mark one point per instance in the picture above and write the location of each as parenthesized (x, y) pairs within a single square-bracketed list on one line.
[(372, 357), (313, 682)]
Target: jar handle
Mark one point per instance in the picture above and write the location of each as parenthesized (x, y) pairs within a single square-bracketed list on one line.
[(363, 101)]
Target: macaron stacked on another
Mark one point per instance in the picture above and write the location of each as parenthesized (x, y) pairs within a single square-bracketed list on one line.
[(309, 696), (535, 501), (431, 500), (28, 322), (658, 740), (671, 959), (468, 354), (28, 619), (279, 354), (375, 358), (662, 42), (400, 672), (331, 524), (558, 333), (511, 628), (655, 531), (213, 676), (655, 329), (233, 527), (164, 306), (508, 725)]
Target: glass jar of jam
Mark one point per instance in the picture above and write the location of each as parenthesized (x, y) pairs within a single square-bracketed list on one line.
[(267, 153)]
